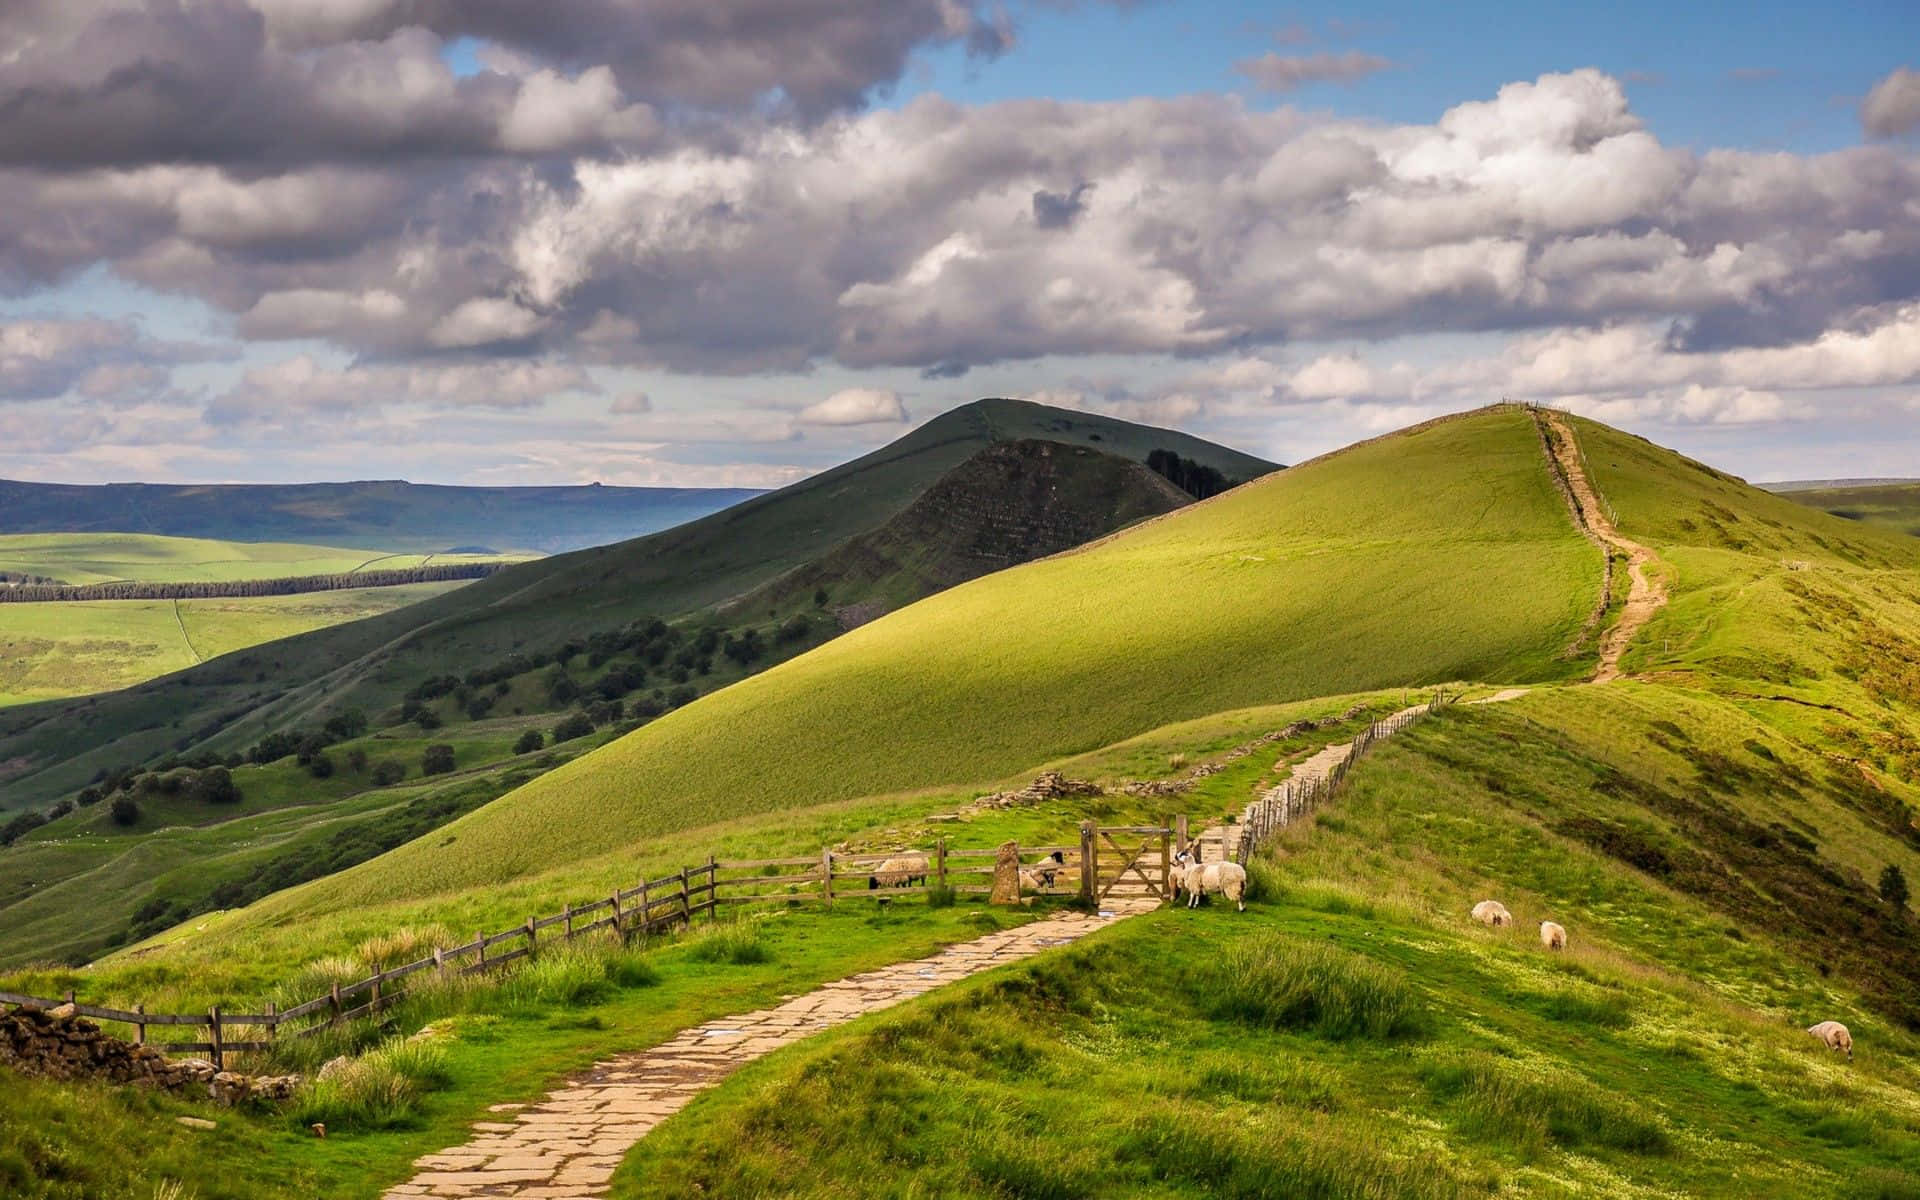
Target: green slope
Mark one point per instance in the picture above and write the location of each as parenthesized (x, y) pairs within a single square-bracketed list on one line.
[(51, 750), (81, 558), (1437, 554), (1890, 505)]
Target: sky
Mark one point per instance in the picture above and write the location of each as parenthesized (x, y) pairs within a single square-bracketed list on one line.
[(733, 242)]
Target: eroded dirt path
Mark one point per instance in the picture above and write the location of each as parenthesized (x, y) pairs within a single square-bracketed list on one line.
[(1645, 595)]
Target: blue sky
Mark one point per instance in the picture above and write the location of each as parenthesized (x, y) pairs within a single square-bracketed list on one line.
[(680, 243)]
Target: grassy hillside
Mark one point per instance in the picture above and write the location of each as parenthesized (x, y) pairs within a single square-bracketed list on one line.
[(396, 516), (1890, 505), (229, 703), (1442, 553)]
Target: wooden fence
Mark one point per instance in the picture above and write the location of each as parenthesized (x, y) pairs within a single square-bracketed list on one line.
[(1130, 861), (1294, 798), (652, 906)]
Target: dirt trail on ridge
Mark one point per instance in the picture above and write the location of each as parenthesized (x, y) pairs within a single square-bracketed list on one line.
[(1645, 596)]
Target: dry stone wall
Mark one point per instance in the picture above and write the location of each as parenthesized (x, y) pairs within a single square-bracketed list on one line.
[(56, 1044)]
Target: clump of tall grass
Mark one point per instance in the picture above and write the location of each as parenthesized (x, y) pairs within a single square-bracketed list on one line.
[(1505, 1102), (941, 896), (1222, 1156), (735, 942), (1277, 982), (314, 979), (380, 1089), (409, 943), (573, 977), (1265, 883)]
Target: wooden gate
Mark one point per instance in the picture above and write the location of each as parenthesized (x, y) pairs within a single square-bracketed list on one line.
[(1125, 861)]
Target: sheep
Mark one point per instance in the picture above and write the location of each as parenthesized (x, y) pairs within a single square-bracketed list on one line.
[(902, 870), (1043, 874), (1203, 879), (1492, 912), (1835, 1037), (1553, 937)]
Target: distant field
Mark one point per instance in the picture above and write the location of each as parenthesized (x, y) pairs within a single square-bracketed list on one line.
[(1889, 505), (81, 558), (48, 651)]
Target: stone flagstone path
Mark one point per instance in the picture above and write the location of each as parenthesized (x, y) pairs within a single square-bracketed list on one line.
[(567, 1146)]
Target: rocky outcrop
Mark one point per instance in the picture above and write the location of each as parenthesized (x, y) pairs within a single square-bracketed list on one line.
[(56, 1044)]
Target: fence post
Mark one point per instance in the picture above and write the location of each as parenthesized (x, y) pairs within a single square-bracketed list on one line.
[(940, 861), (333, 997), (686, 903), (826, 876), (713, 889), (619, 929), (439, 962), (139, 1027), (70, 999), (533, 941), (480, 939), (569, 912), (213, 1026), (1166, 862), (376, 993), (646, 913), (1089, 864), (273, 1021)]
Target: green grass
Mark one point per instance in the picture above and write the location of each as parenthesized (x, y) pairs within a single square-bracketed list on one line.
[(49, 651), (1437, 555)]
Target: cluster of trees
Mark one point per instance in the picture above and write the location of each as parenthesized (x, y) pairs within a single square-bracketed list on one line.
[(211, 782), (1195, 479), (19, 578), (207, 589), (309, 747)]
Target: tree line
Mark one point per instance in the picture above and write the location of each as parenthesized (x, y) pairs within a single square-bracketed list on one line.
[(35, 593)]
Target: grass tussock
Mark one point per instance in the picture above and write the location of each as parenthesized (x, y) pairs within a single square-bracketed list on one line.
[(1276, 982), (736, 943), (1508, 1102), (409, 943), (1311, 1160), (380, 1089)]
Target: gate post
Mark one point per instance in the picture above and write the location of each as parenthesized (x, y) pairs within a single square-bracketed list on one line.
[(1166, 862), (1180, 831), (1089, 865)]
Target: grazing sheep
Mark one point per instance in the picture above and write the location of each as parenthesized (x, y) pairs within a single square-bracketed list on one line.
[(1834, 1035), (902, 870), (1552, 936), (1205, 879), (1492, 912), (1043, 874)]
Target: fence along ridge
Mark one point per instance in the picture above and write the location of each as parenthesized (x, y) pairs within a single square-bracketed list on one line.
[(676, 899), (1292, 799)]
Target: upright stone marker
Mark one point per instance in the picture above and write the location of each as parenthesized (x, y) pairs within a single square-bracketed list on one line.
[(1006, 874)]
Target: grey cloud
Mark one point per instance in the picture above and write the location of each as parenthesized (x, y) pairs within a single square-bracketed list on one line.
[(1284, 72), (41, 359), (1893, 106), (1057, 210)]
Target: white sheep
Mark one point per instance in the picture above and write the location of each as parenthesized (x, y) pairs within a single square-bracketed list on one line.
[(1492, 912), (1834, 1035), (1199, 879), (1553, 937), (902, 870)]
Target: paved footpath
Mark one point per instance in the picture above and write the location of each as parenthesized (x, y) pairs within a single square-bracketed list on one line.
[(568, 1145)]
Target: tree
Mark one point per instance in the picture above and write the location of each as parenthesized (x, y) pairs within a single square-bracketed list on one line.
[(124, 810), (88, 797), (577, 725), (349, 724), (1893, 888), (438, 760), (388, 772), (320, 766), (529, 741), (356, 760), (215, 786), (820, 598)]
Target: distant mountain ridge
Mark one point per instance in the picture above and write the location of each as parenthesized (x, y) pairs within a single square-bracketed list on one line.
[(387, 514)]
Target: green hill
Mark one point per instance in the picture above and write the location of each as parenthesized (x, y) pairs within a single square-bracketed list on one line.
[(1442, 553), (226, 705), (396, 516), (1891, 505)]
